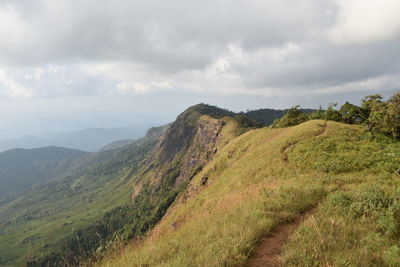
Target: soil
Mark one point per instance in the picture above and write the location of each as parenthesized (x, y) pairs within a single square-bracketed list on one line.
[(267, 254)]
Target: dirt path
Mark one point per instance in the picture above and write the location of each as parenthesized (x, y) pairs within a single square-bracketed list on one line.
[(268, 252), (270, 247)]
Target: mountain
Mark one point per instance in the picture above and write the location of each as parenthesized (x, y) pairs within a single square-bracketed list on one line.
[(321, 193), (114, 194), (22, 168), (215, 188), (91, 139)]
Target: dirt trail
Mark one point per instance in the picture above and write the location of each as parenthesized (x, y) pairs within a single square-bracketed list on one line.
[(269, 250)]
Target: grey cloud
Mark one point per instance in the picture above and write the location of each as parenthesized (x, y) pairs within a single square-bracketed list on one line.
[(323, 64), (169, 39), (166, 35)]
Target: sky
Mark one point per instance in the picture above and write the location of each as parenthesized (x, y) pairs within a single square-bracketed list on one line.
[(73, 64)]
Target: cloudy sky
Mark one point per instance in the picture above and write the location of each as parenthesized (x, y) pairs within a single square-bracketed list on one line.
[(70, 64)]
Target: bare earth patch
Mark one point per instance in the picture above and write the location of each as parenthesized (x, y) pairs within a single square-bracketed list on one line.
[(268, 252)]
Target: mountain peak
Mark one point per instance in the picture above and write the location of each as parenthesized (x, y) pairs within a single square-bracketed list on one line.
[(206, 109)]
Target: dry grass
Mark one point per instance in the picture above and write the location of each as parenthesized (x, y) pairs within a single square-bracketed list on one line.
[(250, 189)]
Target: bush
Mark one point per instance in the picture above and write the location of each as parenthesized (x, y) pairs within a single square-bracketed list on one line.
[(381, 205), (352, 114), (293, 117), (379, 116)]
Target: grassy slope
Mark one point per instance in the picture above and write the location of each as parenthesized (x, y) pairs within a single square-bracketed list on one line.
[(266, 177)]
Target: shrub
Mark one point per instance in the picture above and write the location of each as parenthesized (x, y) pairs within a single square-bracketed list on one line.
[(381, 205), (293, 117), (352, 114)]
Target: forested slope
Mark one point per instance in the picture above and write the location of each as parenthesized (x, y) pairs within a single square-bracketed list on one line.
[(41, 220), (22, 168)]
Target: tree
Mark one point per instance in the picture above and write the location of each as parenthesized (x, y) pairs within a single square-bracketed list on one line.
[(393, 116), (332, 114), (384, 117), (293, 117), (319, 114), (352, 114), (368, 102)]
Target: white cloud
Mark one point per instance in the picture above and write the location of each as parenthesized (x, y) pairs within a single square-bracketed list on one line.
[(13, 29), (366, 21), (13, 89), (129, 88)]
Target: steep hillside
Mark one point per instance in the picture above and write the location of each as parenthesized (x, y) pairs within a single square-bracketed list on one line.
[(335, 185), (22, 168), (114, 195), (41, 220), (116, 144)]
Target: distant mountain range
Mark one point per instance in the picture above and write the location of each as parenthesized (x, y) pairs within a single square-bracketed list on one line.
[(91, 139)]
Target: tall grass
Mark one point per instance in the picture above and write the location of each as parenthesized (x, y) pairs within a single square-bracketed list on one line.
[(265, 178)]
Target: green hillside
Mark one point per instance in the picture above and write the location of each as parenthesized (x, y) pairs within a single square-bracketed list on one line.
[(344, 180), (40, 221), (116, 144), (22, 168)]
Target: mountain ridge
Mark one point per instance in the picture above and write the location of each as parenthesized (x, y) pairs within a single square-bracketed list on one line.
[(173, 155), (268, 177)]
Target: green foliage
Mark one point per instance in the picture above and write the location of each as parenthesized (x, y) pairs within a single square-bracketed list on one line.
[(374, 202), (392, 256), (318, 114), (118, 225), (264, 116), (293, 117), (369, 101), (379, 116), (356, 227), (45, 219), (205, 109), (385, 117), (245, 124), (359, 223), (349, 151), (331, 114), (352, 114), (267, 116)]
